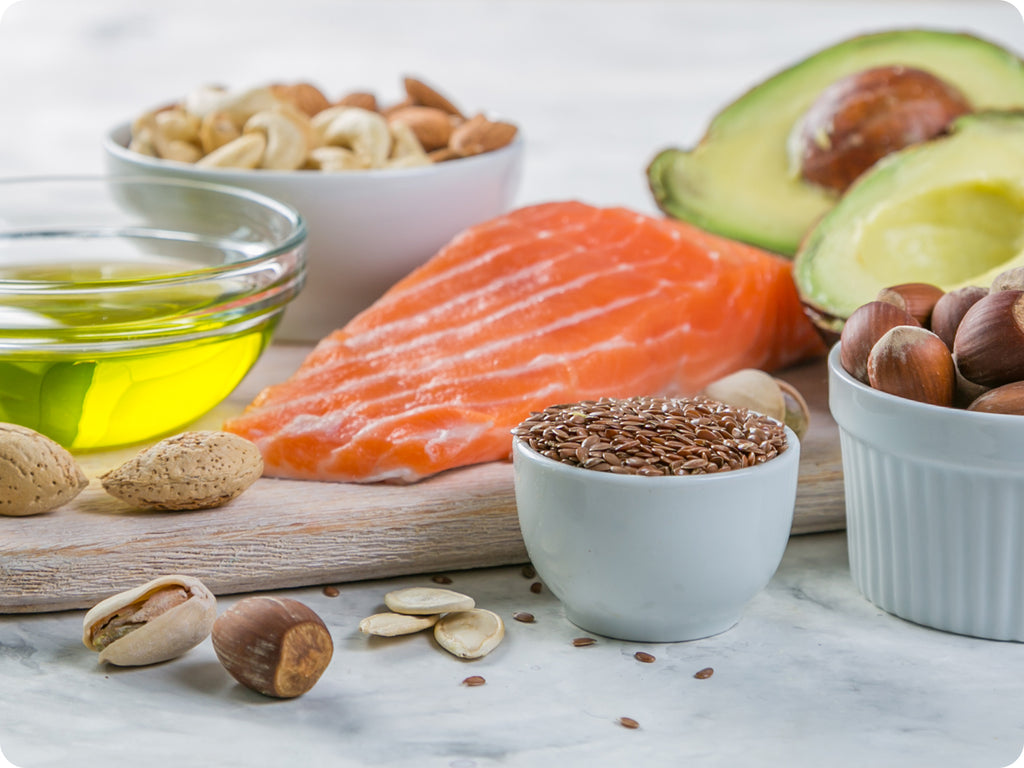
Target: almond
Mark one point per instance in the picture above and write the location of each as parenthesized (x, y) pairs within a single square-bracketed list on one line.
[(192, 470), (36, 474), (421, 93), (478, 135), (431, 126)]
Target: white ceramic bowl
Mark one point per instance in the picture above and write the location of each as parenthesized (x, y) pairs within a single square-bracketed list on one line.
[(934, 508), (655, 559), (367, 229)]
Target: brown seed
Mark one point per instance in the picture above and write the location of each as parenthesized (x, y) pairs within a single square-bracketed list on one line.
[(660, 436), (643, 656), (441, 579), (523, 616), (704, 674), (628, 722), (536, 587), (581, 642), (529, 571), (473, 681), (332, 591)]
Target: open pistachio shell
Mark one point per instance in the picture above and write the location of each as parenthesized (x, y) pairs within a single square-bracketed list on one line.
[(154, 622)]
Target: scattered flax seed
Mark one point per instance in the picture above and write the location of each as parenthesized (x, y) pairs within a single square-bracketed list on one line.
[(441, 579), (643, 656), (653, 436), (529, 571), (536, 587), (628, 722), (473, 680), (332, 591), (580, 642), (523, 616), (705, 673)]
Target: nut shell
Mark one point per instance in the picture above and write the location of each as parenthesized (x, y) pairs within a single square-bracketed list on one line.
[(989, 343), (151, 636), (914, 363), (865, 326), (276, 646), (917, 299), (1008, 399), (193, 470), (950, 309), (36, 474)]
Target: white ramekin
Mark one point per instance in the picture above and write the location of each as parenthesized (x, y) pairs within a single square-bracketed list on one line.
[(934, 508)]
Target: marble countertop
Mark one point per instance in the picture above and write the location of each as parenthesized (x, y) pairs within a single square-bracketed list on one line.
[(813, 675)]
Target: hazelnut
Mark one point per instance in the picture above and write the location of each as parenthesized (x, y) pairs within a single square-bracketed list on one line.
[(863, 117), (912, 362), (918, 299), (989, 344), (1010, 280), (863, 328), (1008, 398), (950, 309), (276, 646)]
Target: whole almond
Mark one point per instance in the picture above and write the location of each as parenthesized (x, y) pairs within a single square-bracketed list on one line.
[(423, 94), (36, 474), (431, 126), (305, 96), (362, 99), (192, 470), (478, 135)]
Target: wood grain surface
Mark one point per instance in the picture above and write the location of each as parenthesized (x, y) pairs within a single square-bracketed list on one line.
[(285, 533)]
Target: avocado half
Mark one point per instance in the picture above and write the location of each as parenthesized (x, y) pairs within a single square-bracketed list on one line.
[(949, 211), (739, 181)]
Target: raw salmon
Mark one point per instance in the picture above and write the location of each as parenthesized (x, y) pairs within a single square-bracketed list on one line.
[(548, 304)]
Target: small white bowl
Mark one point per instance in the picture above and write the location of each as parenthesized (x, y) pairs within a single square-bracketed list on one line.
[(934, 508), (367, 229), (655, 559)]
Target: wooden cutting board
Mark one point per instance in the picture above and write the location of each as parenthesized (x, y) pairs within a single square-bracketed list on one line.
[(286, 533)]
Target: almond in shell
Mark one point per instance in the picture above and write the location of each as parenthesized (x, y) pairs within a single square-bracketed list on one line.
[(192, 470), (36, 474)]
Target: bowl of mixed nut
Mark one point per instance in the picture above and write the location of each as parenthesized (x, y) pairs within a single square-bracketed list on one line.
[(381, 186), (655, 519)]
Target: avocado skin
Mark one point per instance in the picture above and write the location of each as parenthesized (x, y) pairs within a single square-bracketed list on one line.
[(737, 181), (949, 211)]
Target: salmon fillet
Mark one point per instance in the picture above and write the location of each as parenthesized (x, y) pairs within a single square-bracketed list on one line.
[(548, 304)]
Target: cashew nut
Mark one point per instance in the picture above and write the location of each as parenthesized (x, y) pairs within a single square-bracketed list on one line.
[(365, 133), (406, 151), (177, 124), (244, 152), (334, 159), (162, 137), (239, 105), (216, 130), (288, 137)]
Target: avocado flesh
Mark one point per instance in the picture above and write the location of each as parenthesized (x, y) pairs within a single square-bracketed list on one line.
[(739, 181), (949, 212)]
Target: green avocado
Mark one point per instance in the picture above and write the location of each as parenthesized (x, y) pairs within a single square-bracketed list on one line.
[(740, 181), (949, 211)]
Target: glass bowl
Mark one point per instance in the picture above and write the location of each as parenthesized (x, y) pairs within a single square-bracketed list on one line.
[(130, 306)]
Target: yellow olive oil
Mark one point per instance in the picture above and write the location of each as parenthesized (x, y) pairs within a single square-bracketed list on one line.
[(175, 359)]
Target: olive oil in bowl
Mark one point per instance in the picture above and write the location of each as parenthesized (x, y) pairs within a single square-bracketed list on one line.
[(113, 332)]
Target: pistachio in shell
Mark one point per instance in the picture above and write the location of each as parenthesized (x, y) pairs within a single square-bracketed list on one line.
[(154, 622)]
